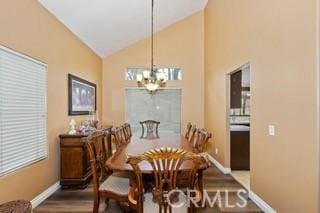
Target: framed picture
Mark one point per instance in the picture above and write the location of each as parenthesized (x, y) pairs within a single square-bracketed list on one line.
[(82, 96)]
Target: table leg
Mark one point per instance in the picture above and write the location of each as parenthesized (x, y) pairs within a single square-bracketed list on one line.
[(200, 184), (200, 180)]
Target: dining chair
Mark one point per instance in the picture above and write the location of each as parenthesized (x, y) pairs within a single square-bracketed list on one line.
[(208, 136), (119, 137), (201, 139), (127, 131), (104, 186), (192, 134), (166, 163), (151, 127), (189, 126), (108, 140)]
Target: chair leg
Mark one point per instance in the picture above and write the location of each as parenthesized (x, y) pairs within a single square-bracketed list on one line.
[(96, 203)]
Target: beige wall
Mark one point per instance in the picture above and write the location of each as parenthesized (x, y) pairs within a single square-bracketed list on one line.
[(181, 45), (279, 39), (30, 29)]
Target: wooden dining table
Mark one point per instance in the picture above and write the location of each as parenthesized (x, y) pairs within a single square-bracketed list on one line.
[(137, 145)]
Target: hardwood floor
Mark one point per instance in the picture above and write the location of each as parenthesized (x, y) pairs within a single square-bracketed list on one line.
[(80, 201)]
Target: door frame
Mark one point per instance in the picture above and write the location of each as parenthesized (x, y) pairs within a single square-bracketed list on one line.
[(228, 106)]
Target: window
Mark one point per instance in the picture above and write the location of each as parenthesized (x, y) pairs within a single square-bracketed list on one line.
[(170, 73), (164, 107), (23, 110)]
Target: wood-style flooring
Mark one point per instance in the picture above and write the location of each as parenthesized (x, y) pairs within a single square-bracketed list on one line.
[(80, 201)]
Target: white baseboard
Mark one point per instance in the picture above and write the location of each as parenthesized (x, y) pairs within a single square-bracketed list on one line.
[(261, 203), (44, 195), (223, 169), (254, 197)]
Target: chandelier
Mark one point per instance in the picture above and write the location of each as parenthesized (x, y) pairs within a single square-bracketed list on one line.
[(151, 80)]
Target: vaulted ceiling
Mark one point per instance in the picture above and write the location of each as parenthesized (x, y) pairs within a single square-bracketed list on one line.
[(107, 26)]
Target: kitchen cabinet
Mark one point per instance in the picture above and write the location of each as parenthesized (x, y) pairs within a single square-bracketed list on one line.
[(240, 150)]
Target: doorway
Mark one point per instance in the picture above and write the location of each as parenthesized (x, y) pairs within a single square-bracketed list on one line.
[(239, 124)]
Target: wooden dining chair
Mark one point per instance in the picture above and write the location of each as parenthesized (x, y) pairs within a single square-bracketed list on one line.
[(151, 128), (189, 126), (127, 131), (166, 163), (208, 136), (192, 134), (201, 139), (119, 137), (104, 186)]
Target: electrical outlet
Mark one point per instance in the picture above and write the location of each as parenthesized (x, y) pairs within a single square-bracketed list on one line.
[(217, 151), (272, 130)]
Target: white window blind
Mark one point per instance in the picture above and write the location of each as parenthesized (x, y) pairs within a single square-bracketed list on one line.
[(23, 110)]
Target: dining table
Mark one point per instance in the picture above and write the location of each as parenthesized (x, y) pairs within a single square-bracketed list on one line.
[(138, 145)]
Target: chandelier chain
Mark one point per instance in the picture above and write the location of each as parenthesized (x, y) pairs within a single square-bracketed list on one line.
[(152, 38), (150, 79)]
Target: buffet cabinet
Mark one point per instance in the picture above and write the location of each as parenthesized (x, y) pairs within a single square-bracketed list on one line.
[(75, 170)]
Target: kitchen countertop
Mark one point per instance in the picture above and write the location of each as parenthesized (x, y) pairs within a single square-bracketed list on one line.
[(239, 122), (239, 128)]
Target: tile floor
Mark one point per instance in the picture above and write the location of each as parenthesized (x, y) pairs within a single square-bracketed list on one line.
[(243, 177)]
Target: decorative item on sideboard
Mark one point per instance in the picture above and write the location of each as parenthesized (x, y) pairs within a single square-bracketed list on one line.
[(72, 130), (88, 125)]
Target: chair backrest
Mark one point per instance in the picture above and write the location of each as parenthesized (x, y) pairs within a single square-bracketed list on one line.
[(200, 139), (165, 163), (108, 137), (189, 126), (208, 136), (192, 134), (95, 143), (119, 137), (127, 131), (151, 128)]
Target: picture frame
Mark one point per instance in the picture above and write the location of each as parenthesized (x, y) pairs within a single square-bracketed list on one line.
[(82, 96)]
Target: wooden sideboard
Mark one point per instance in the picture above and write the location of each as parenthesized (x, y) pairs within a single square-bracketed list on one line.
[(74, 160)]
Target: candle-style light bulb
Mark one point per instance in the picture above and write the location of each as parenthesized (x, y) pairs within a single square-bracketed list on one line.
[(139, 77), (146, 74)]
